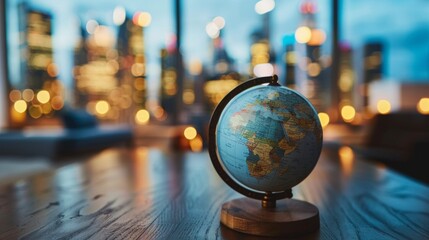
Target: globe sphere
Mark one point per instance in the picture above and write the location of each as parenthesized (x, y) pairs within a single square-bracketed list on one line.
[(268, 138)]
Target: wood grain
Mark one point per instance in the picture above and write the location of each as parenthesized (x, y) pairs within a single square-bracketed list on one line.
[(290, 218), (144, 193)]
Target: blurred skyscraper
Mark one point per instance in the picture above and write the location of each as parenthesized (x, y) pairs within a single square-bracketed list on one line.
[(96, 78), (132, 68), (372, 66), (80, 59), (262, 55), (38, 37), (38, 93), (289, 61), (222, 76), (348, 91), (169, 87), (312, 78), (110, 70)]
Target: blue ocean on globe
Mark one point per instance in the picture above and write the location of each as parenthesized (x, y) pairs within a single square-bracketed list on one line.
[(269, 138)]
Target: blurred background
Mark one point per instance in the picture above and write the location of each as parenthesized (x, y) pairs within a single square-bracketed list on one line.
[(161, 67)]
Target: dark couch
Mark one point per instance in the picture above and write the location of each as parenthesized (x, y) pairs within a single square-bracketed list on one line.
[(81, 133), (400, 140)]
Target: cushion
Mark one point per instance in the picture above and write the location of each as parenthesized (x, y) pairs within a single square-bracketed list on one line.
[(77, 119)]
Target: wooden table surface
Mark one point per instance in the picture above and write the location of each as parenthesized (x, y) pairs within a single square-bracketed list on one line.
[(146, 193)]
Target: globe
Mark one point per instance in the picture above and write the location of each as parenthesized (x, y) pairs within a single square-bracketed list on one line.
[(268, 138)]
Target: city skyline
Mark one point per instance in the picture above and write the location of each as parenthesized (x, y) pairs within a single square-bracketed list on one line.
[(406, 50)]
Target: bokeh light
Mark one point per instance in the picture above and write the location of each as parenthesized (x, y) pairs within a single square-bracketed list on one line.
[(423, 106), (303, 34), (119, 15), (52, 69), (142, 19), (196, 144), (219, 21), (102, 107), (138, 69), (43, 96), (313, 69), (308, 7), (264, 6), (20, 106), (159, 113), (190, 133), (188, 96), (139, 84), (383, 106), (195, 67), (57, 103), (91, 25), (324, 119), (318, 37), (264, 69), (348, 113), (35, 111), (28, 95), (142, 117), (346, 155), (14, 95), (212, 30), (46, 108)]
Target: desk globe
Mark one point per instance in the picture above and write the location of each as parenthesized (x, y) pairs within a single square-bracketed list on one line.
[(264, 139)]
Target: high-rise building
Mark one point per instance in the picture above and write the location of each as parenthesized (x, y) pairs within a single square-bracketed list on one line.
[(132, 68), (223, 77), (290, 64), (39, 92), (110, 79), (39, 49), (80, 98), (261, 54), (311, 74), (222, 63), (372, 66), (96, 78), (169, 87), (197, 75), (348, 87), (289, 61), (373, 57)]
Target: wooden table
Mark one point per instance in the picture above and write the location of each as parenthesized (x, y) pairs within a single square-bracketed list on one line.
[(146, 193)]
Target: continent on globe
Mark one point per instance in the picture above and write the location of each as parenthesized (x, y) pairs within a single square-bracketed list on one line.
[(265, 150)]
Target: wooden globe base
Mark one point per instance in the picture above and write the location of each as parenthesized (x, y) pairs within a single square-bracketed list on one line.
[(290, 217)]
